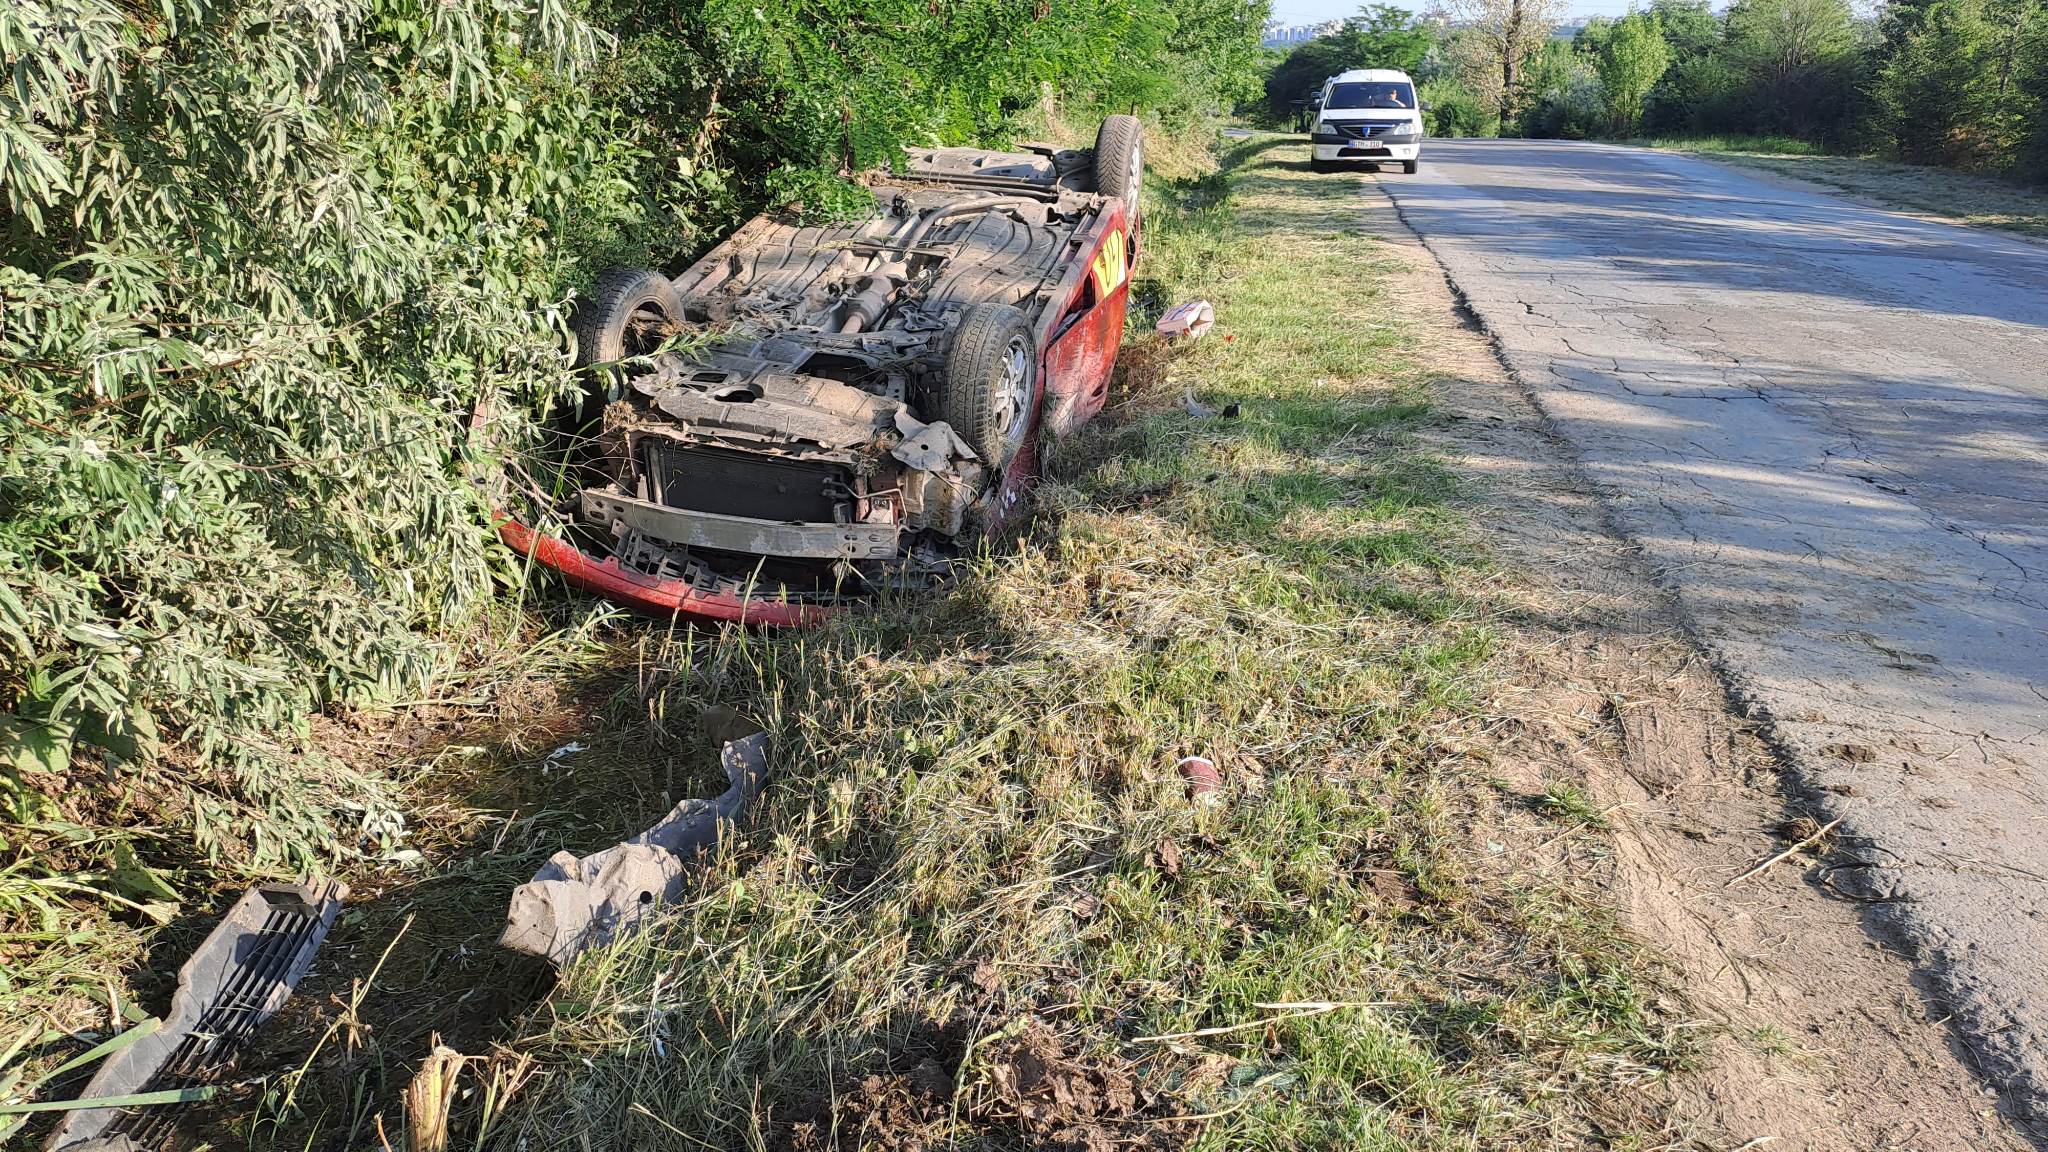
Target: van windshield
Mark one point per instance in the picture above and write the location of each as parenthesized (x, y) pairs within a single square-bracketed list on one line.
[(1378, 94)]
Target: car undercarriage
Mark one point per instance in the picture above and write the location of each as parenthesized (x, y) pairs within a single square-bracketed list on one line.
[(811, 412)]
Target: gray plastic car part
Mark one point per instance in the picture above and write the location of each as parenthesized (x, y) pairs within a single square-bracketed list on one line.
[(240, 976), (574, 902)]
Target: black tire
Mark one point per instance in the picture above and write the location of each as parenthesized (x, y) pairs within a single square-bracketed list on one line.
[(628, 312), (1321, 166), (1409, 166), (990, 382), (1120, 159)]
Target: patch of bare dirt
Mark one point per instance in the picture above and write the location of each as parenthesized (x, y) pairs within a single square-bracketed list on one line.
[(1024, 1082), (1813, 1034)]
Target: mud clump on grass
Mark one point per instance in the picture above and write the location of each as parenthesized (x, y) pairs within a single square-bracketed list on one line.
[(1066, 1103), (887, 1113), (1027, 1084)]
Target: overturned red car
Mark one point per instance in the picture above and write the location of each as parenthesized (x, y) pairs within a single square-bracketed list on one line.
[(809, 414)]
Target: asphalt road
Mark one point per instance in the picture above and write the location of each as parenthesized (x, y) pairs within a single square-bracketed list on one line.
[(1827, 427)]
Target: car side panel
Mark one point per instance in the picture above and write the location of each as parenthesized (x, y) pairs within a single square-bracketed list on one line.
[(1078, 363)]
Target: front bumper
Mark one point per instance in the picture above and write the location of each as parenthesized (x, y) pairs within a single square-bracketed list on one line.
[(693, 529), (1379, 148), (727, 602)]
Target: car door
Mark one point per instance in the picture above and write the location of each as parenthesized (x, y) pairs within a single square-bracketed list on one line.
[(1082, 355)]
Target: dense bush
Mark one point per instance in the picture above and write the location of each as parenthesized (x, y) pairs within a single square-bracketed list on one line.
[(1630, 59), (1450, 109), (801, 90), (1565, 96), (1955, 82), (1965, 82), (261, 259)]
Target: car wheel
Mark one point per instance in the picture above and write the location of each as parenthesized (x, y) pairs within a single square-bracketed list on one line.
[(990, 382), (628, 313), (1319, 166), (1409, 166), (1120, 159)]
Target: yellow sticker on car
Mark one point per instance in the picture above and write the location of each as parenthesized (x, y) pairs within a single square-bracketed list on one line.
[(1109, 264)]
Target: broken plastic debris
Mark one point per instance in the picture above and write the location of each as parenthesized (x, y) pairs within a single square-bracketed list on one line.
[(1190, 320), (1201, 411), (1201, 775), (569, 749), (240, 976), (928, 447), (574, 902)]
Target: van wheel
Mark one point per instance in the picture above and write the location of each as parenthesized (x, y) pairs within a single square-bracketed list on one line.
[(990, 382), (1320, 166), (628, 313), (1409, 166), (1120, 159)]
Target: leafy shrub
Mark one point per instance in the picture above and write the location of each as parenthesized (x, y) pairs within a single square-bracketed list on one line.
[(1697, 94), (1630, 62), (1452, 110), (1565, 97), (261, 258), (810, 89)]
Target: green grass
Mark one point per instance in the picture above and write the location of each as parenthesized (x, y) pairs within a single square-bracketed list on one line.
[(978, 870), (1943, 193), (1568, 801), (1759, 145)]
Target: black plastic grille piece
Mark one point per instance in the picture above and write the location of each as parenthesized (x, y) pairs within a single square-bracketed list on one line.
[(741, 483)]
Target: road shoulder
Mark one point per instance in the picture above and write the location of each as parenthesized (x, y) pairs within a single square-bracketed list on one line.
[(1805, 1010)]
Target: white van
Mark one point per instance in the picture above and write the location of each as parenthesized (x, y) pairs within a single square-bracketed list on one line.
[(1368, 114)]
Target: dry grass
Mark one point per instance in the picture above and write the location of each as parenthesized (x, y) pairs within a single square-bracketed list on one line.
[(977, 880), (81, 963)]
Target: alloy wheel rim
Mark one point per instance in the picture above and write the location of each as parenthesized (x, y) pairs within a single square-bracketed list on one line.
[(1011, 391)]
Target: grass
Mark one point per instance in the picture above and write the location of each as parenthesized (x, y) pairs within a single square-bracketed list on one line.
[(1751, 145), (483, 807), (1944, 193), (978, 907)]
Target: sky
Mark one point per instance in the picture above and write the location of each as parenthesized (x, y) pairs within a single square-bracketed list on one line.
[(1316, 11)]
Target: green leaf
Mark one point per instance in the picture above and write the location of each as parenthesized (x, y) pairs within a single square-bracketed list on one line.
[(133, 1100), (30, 746), (136, 880), (100, 1051)]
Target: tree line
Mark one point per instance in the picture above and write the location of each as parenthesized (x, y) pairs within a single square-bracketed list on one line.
[(1960, 83)]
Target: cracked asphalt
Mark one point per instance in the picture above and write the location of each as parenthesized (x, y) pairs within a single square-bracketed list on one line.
[(1827, 427)]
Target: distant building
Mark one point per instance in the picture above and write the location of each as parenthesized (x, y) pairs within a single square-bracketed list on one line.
[(1278, 35)]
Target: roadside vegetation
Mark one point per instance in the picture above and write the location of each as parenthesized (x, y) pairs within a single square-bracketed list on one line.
[(258, 262), (1945, 84), (980, 906)]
